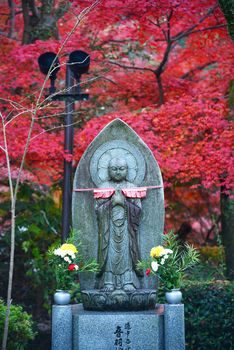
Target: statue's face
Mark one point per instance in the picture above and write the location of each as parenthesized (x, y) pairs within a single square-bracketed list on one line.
[(118, 169)]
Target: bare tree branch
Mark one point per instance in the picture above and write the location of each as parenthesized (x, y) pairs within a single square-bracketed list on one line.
[(53, 128), (188, 31), (14, 190), (192, 71), (48, 223), (201, 30), (132, 67), (171, 43)]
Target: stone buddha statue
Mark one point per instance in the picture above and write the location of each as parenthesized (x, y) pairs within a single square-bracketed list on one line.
[(118, 216), (118, 219)]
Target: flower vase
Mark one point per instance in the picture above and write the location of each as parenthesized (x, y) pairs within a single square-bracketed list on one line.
[(62, 297), (174, 296)]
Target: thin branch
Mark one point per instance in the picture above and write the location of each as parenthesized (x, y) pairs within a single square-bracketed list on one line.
[(18, 115), (213, 227), (15, 105), (3, 149), (169, 17), (152, 22), (47, 221), (202, 30), (53, 128), (94, 39), (188, 31), (78, 21), (65, 90), (55, 115), (110, 80), (12, 248), (192, 71), (132, 67)]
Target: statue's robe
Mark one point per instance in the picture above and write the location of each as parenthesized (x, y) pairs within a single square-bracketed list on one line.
[(118, 225)]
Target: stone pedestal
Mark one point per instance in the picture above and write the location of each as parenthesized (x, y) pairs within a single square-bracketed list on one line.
[(74, 328), (119, 300), (174, 333), (62, 327)]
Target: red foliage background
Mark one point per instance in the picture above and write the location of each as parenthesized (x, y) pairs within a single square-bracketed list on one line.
[(190, 134)]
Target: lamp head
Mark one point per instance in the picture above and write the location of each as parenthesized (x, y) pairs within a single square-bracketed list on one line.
[(79, 62), (45, 62)]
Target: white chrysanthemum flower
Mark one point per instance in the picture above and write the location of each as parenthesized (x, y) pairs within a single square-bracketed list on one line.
[(66, 258), (63, 253), (154, 266), (72, 255), (69, 252), (166, 256), (76, 267), (168, 251), (162, 261), (57, 252)]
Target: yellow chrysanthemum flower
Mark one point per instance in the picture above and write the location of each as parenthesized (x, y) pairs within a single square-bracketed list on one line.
[(156, 251), (69, 247)]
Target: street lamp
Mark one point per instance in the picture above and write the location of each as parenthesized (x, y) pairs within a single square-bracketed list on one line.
[(78, 64)]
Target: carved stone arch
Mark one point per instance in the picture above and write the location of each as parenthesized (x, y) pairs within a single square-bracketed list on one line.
[(117, 137)]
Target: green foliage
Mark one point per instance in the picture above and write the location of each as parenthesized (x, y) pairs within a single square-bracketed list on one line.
[(209, 322), (75, 292), (20, 327), (214, 253), (206, 271), (37, 227), (209, 317), (228, 8)]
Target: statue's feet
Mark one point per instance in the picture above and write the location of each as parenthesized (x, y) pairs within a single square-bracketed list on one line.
[(108, 287), (129, 287)]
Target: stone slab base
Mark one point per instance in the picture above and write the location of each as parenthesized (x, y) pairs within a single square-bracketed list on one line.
[(74, 328), (142, 330)]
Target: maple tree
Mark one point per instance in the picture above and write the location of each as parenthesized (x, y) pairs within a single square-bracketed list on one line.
[(164, 68)]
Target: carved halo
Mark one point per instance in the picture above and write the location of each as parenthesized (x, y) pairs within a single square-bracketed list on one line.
[(122, 149)]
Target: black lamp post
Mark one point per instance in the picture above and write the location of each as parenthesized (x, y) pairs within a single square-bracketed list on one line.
[(77, 65)]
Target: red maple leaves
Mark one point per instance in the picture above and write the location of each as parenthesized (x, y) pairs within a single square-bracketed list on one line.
[(190, 134)]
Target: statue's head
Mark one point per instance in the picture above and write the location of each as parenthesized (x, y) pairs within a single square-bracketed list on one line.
[(118, 169)]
